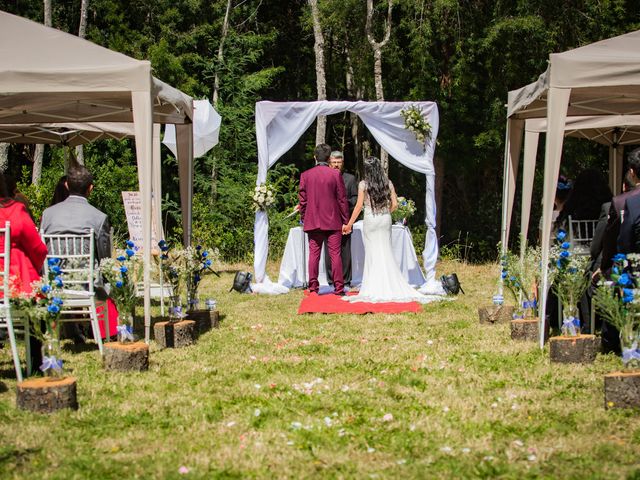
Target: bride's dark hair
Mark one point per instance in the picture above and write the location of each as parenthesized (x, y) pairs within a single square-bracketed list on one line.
[(377, 185)]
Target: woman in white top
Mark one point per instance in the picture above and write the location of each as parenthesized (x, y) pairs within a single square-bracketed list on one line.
[(382, 280)]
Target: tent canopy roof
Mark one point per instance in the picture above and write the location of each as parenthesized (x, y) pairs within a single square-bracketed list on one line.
[(48, 75), (590, 71), (611, 130)]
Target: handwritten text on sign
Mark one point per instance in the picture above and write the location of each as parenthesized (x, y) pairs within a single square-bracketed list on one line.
[(133, 210)]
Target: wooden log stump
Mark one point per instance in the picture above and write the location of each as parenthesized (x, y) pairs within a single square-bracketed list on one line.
[(175, 334), (205, 319), (578, 349), (622, 390), (493, 314), (47, 394), (525, 329), (126, 357)]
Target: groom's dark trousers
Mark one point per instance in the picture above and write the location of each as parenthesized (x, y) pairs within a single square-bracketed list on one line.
[(323, 211)]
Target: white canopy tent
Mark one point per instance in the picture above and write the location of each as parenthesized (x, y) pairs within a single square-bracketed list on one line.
[(614, 131), (279, 125), (601, 79), (49, 76)]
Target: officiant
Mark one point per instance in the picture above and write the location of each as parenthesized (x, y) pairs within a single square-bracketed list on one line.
[(336, 161)]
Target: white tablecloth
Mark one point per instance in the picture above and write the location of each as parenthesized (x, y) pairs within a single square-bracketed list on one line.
[(293, 268)]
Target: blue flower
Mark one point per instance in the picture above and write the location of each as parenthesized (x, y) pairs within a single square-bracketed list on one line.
[(121, 258), (45, 289), (130, 244), (207, 263), (162, 243), (559, 263), (56, 269), (199, 247), (572, 270), (512, 278), (624, 280), (565, 254), (196, 278), (124, 269), (53, 261), (129, 252), (119, 284), (565, 245), (164, 256), (53, 308), (561, 235), (620, 257), (627, 295), (205, 254), (616, 271), (58, 281), (504, 275), (57, 300)]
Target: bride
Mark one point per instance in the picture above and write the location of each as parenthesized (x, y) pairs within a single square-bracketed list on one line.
[(382, 280)]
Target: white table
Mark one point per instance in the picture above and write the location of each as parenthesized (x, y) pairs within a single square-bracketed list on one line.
[(293, 268)]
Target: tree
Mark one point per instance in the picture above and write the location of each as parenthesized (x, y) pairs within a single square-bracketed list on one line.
[(377, 61), (321, 80)]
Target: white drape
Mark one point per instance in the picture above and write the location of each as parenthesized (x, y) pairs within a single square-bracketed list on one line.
[(280, 125)]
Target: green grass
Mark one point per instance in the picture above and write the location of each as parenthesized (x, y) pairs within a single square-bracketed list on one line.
[(271, 394)]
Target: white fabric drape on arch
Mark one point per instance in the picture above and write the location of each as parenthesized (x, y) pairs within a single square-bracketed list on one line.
[(279, 125)]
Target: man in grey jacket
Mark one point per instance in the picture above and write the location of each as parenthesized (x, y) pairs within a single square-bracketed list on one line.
[(76, 216)]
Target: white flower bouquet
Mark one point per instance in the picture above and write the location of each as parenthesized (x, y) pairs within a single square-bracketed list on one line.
[(415, 122), (264, 196)]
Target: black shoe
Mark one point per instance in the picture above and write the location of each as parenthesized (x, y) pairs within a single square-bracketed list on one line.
[(79, 339), (340, 294)]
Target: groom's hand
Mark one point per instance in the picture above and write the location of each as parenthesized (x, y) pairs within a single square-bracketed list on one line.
[(346, 229)]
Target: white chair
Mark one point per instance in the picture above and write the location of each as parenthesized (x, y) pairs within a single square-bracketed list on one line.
[(77, 261), (581, 234), (12, 324)]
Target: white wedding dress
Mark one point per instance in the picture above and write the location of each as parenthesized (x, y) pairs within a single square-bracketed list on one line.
[(382, 280)]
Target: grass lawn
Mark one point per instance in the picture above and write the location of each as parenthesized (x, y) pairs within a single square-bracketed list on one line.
[(271, 394)]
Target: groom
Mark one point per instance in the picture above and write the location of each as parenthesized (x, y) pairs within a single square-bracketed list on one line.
[(323, 211)]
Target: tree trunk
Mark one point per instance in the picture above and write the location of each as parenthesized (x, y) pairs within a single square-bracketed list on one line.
[(82, 29), (354, 94), (216, 91), (4, 157), (377, 65), (38, 156), (47, 13), (321, 80)]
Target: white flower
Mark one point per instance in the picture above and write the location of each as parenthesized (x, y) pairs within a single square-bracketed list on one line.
[(387, 417), (256, 412), (446, 449)]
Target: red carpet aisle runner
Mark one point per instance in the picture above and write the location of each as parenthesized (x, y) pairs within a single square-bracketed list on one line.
[(314, 303)]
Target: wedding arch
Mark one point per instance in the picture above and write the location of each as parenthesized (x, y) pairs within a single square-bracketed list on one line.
[(279, 125)]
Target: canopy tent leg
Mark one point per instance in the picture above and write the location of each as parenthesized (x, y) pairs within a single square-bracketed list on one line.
[(557, 105), (184, 136), (528, 172)]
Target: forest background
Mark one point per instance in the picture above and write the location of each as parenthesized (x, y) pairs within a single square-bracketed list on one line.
[(464, 55)]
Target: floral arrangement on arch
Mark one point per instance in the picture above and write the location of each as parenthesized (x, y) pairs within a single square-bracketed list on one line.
[(406, 209), (415, 122), (43, 307), (121, 274), (521, 278), (264, 196), (618, 301)]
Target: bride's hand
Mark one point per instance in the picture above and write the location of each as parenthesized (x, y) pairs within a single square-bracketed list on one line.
[(346, 229)]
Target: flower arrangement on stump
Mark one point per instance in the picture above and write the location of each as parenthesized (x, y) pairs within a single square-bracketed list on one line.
[(618, 301), (120, 273), (415, 122), (198, 261), (521, 278), (173, 273), (43, 308), (570, 282), (406, 209)]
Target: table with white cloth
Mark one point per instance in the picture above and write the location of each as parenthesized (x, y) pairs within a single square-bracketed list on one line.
[(294, 265)]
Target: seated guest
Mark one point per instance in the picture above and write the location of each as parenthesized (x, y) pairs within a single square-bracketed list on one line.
[(27, 254), (12, 188), (75, 215), (590, 190), (60, 193)]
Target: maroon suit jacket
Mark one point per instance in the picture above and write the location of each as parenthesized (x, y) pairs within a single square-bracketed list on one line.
[(610, 239), (323, 199)]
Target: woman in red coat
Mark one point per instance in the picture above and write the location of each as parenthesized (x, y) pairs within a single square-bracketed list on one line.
[(28, 253)]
